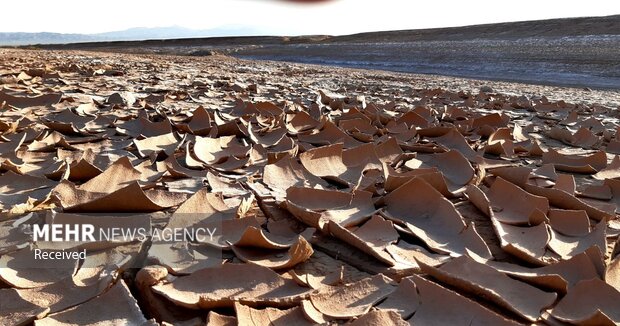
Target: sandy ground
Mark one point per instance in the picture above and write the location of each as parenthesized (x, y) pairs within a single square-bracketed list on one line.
[(342, 195)]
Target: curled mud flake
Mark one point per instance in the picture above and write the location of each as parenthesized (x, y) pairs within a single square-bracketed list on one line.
[(583, 138), (215, 319), (301, 122), (270, 316), (328, 162), (27, 304), (569, 222), (352, 300), (610, 172), (589, 164), (21, 102), (405, 300), (287, 173), (590, 302), (569, 246), (223, 286), (199, 123), (380, 317), (513, 205), (21, 270), (267, 137), (433, 219), (557, 197), (525, 242), (434, 298), (408, 254), (329, 134), (478, 279), (612, 272), (297, 253), (455, 168), (217, 150), (316, 207), (130, 198), (184, 258), (165, 144), (372, 237), (116, 305), (454, 140), (558, 277)]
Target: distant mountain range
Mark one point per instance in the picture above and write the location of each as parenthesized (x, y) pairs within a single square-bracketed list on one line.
[(132, 34)]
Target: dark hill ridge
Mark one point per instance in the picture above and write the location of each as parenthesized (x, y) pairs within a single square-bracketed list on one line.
[(194, 42), (608, 25)]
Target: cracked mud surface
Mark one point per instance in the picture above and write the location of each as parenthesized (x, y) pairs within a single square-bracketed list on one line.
[(341, 195)]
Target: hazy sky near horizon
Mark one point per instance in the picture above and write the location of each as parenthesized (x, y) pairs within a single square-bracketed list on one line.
[(278, 17)]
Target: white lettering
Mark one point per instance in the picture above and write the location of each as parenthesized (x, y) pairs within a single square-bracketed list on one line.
[(211, 232), (57, 232), (59, 255), (72, 230), (88, 232), (40, 231)]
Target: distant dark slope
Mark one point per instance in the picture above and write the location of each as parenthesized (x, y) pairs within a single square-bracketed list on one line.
[(554, 27), (608, 25), (215, 41), (193, 42)]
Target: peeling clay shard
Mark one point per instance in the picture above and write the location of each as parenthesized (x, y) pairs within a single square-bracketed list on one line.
[(478, 279), (578, 164), (455, 141), (223, 286), (19, 269), (275, 259), (568, 246), (433, 302), (115, 190), (528, 243), (433, 219), (558, 277), (455, 168), (557, 197), (128, 199), (590, 302), (372, 237), (405, 300), (513, 205), (24, 305), (380, 317), (28, 101), (328, 163), (316, 207), (270, 316), (117, 306), (352, 300), (612, 171), (287, 173)]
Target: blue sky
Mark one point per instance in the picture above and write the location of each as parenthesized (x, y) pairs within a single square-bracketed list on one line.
[(335, 17)]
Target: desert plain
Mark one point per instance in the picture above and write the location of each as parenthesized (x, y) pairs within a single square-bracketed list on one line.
[(340, 196)]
